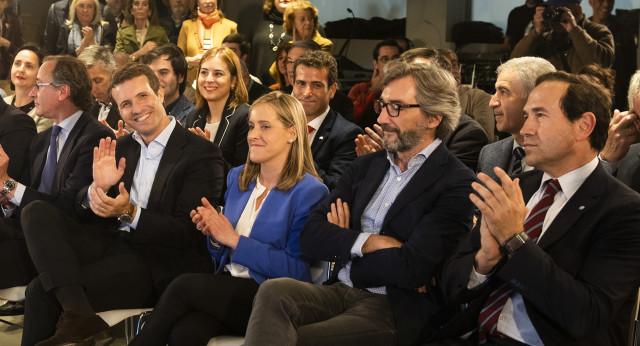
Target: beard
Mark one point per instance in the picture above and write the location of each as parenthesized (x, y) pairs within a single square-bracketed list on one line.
[(405, 140)]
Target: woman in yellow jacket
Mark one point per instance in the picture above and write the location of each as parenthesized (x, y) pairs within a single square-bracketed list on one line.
[(140, 33), (205, 30)]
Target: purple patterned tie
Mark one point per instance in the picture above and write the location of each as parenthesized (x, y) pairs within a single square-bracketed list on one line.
[(52, 160), (488, 319)]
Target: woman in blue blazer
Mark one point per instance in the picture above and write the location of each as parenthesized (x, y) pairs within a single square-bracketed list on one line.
[(268, 200)]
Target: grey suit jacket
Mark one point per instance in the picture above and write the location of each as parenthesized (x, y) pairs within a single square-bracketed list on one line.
[(629, 168), (495, 154)]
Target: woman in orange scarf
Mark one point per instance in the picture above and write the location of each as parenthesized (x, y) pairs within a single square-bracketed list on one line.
[(205, 30)]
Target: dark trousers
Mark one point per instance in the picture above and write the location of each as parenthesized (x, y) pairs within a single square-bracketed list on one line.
[(68, 252), (196, 307), (290, 312), (17, 268)]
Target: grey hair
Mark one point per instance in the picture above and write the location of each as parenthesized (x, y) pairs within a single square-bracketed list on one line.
[(527, 69), (97, 16), (95, 54), (634, 89), (436, 92)]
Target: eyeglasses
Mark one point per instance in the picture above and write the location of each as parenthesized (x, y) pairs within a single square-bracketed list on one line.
[(38, 85), (393, 109)]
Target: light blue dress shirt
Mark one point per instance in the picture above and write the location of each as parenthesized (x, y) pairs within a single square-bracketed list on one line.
[(373, 216)]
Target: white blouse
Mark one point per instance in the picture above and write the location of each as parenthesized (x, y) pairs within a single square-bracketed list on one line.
[(244, 225)]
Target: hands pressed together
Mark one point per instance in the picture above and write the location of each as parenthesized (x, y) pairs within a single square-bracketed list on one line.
[(369, 143), (214, 224), (503, 213)]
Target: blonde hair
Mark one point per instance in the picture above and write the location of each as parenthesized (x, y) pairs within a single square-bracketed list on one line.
[(290, 13), (299, 161), (239, 94), (97, 17)]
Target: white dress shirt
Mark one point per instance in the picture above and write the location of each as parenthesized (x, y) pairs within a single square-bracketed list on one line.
[(316, 123)]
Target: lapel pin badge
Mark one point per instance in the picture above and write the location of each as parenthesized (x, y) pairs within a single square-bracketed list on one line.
[(581, 207), (321, 137)]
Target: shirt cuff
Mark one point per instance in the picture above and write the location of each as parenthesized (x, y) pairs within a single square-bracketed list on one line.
[(18, 194), (356, 249), (476, 279), (7, 212)]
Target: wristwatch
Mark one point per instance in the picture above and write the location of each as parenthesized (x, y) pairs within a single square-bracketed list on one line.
[(514, 243), (127, 216), (9, 185)]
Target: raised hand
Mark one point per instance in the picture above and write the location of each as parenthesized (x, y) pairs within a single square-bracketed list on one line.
[(214, 224), (105, 171), (339, 214), (206, 134), (104, 206)]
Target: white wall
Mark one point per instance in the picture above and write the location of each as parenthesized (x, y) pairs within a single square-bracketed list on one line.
[(497, 11)]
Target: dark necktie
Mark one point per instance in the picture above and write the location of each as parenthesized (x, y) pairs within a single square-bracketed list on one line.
[(488, 319), (516, 166), (52, 161)]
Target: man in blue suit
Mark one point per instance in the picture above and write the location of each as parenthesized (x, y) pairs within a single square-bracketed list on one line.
[(516, 79), (389, 224)]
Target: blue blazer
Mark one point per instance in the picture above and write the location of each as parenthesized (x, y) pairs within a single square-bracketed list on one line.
[(272, 249)]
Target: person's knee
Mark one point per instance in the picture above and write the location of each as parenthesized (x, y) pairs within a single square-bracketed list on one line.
[(276, 290), (36, 211)]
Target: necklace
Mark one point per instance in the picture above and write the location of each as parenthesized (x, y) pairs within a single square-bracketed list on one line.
[(274, 46)]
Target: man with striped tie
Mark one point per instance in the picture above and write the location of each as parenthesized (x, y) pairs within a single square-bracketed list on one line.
[(516, 79), (567, 274)]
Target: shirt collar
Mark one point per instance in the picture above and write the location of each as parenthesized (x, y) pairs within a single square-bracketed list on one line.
[(420, 157), (162, 138), (570, 182), (317, 122), (68, 123)]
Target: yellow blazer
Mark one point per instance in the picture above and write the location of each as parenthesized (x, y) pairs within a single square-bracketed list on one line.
[(190, 44)]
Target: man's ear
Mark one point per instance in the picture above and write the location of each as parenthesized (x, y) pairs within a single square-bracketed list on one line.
[(65, 92), (333, 89), (585, 126), (180, 78)]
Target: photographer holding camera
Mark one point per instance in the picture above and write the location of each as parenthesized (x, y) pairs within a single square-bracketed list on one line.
[(564, 36)]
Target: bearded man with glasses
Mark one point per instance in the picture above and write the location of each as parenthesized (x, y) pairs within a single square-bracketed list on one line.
[(390, 223)]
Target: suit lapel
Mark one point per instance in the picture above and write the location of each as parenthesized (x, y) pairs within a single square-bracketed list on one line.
[(40, 159), (224, 126), (173, 152), (504, 160), (369, 185), (323, 132), (132, 156), (69, 144), (579, 204)]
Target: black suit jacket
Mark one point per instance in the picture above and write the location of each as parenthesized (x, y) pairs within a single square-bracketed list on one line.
[(429, 216), (74, 168), (17, 130), (334, 147), (467, 140), (112, 118), (190, 168), (629, 168), (231, 137), (256, 91), (579, 282)]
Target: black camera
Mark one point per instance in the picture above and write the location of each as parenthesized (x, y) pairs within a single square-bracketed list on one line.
[(552, 13)]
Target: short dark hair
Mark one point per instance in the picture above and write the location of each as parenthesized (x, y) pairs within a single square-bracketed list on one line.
[(306, 44), (131, 71), (385, 43), (583, 95), (321, 60), (240, 40), (426, 53), (35, 48), (175, 57), (153, 18), (72, 72)]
